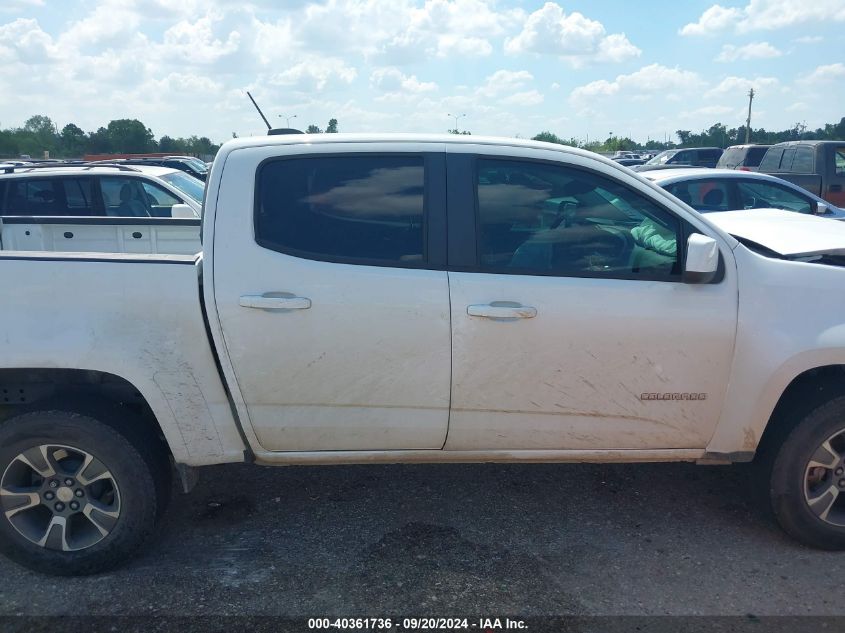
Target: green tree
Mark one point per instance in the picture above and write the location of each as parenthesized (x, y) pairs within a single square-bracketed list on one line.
[(73, 140), (168, 144), (313, 129), (130, 136), (548, 137), (99, 142), (331, 128), (39, 135)]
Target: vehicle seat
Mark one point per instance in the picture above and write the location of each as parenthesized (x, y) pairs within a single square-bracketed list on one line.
[(713, 199), (130, 207)]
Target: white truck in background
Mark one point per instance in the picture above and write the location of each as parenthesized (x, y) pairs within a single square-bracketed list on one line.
[(99, 208), (350, 307)]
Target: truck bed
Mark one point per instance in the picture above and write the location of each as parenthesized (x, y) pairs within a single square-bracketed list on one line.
[(138, 317)]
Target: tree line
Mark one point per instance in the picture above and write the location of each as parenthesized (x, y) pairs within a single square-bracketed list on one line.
[(40, 134), (717, 135)]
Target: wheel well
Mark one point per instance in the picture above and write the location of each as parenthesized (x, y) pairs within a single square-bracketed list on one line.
[(81, 390), (807, 391)]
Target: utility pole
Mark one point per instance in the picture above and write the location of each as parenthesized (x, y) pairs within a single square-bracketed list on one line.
[(287, 118), (456, 117), (748, 122)]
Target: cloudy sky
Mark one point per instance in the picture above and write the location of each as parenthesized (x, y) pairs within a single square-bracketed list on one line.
[(515, 67)]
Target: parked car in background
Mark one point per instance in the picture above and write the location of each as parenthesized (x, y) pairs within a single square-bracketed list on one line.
[(709, 190), (99, 208), (629, 162), (684, 157), (817, 166), (188, 164), (742, 157)]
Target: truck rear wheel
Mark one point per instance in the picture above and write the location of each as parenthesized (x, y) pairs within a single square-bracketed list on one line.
[(807, 478), (76, 496)]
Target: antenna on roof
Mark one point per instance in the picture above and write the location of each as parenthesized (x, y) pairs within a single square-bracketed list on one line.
[(266, 122)]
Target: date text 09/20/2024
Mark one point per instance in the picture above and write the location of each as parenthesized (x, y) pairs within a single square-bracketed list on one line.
[(420, 624)]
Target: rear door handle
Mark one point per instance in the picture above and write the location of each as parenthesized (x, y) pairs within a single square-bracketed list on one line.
[(264, 302), (502, 310)]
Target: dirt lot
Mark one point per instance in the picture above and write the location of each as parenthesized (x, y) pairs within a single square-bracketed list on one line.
[(455, 539)]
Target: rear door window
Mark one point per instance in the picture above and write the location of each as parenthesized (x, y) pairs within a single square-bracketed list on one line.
[(786, 159), (79, 196), (803, 161), (359, 209), (771, 161), (702, 195)]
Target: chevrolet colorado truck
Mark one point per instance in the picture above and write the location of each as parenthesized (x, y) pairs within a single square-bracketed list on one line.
[(404, 298)]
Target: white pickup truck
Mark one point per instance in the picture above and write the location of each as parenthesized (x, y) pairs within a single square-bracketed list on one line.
[(369, 299)]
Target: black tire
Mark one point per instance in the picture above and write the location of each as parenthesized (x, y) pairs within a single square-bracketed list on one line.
[(787, 470), (133, 467)]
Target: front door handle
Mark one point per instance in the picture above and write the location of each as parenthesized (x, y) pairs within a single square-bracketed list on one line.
[(265, 302), (502, 310)]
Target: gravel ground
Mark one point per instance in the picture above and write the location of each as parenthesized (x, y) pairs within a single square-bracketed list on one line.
[(527, 540)]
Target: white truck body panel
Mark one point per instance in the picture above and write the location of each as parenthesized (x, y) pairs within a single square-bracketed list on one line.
[(138, 318), (98, 235)]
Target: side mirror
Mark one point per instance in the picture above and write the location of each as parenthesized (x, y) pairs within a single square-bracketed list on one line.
[(183, 211), (702, 262), (821, 208)]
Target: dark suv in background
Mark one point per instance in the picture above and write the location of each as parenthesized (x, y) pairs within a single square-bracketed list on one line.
[(683, 157), (817, 166), (742, 157), (190, 165)]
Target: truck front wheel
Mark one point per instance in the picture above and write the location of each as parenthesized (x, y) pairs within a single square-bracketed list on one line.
[(807, 478), (76, 496)]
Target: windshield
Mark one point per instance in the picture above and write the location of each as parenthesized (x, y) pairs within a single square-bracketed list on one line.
[(199, 166), (661, 158), (187, 184)]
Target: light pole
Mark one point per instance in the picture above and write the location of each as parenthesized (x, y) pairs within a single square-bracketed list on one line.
[(456, 117), (287, 118)]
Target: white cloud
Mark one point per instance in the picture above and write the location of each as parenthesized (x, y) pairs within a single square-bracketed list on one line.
[(648, 81), (825, 74), (10, 6), (504, 82), (23, 40), (195, 41), (798, 106), (527, 98), (313, 75), (574, 37), (740, 86), (762, 15), (716, 19), (754, 50), (393, 80), (707, 111), (808, 39)]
